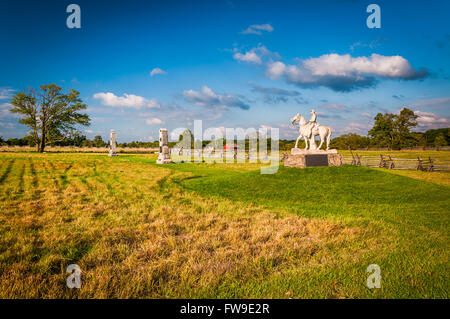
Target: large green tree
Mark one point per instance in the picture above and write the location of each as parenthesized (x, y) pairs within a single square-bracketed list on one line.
[(50, 114), (394, 130)]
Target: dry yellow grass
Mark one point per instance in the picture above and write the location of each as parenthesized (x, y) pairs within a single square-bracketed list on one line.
[(75, 149), (135, 233), (442, 178)]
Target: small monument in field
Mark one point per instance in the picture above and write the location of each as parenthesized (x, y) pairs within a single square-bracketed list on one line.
[(164, 154), (112, 143), (312, 155)]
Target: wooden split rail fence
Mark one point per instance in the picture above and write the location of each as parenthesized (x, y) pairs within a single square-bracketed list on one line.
[(423, 164)]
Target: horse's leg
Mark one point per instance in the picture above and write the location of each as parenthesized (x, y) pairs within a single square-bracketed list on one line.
[(306, 142), (296, 142), (322, 138)]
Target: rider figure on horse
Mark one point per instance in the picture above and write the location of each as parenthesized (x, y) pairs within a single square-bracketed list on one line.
[(312, 124)]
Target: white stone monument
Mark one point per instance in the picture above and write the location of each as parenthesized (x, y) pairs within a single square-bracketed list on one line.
[(312, 155), (164, 153), (112, 143)]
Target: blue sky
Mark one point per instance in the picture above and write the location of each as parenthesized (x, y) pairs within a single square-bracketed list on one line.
[(230, 63)]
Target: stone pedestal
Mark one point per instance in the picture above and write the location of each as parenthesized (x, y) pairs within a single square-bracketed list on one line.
[(312, 158), (164, 154)]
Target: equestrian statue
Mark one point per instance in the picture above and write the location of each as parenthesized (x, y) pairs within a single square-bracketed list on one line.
[(308, 131)]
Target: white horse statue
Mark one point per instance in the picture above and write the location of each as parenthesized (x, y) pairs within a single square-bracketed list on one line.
[(308, 131)]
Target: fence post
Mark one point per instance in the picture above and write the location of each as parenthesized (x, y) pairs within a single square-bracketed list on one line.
[(382, 161), (391, 164), (419, 164), (431, 167)]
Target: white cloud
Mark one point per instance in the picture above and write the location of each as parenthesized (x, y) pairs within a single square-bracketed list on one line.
[(128, 100), (157, 71), (5, 93), (257, 28), (208, 98), (249, 56), (428, 120), (153, 121), (255, 55), (344, 72)]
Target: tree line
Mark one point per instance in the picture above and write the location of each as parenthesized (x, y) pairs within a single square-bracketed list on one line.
[(54, 117), (393, 131)]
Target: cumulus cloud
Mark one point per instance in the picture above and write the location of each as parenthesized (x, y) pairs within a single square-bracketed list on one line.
[(157, 71), (249, 56), (206, 97), (344, 72), (257, 29), (128, 100), (428, 120), (255, 55), (153, 121)]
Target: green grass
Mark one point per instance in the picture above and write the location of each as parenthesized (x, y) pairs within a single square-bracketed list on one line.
[(143, 230)]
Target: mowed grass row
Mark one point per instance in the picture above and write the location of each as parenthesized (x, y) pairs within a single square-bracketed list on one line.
[(137, 229)]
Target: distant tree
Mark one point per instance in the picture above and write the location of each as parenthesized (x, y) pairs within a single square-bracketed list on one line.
[(403, 124), (2, 141), (351, 141), (431, 135), (87, 143), (418, 139), (78, 139), (440, 141), (17, 142), (394, 131), (50, 114), (98, 141), (383, 129)]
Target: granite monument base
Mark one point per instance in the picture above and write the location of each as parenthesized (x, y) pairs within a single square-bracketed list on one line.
[(312, 158)]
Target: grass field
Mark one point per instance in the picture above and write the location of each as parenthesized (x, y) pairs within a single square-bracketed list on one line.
[(141, 230)]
